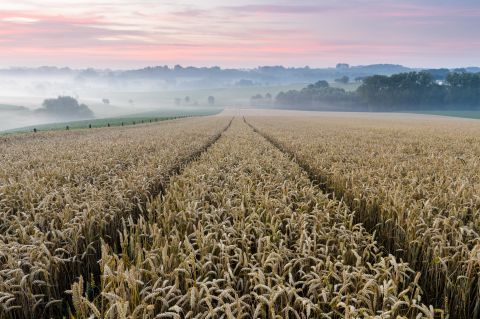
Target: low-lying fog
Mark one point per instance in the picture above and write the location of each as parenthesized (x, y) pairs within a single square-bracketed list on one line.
[(109, 94), (23, 110), (22, 96)]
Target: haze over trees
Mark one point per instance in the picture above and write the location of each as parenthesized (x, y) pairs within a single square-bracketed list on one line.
[(13, 108), (420, 91), (211, 100), (317, 96), (344, 79), (65, 107), (261, 100), (44, 80), (412, 91)]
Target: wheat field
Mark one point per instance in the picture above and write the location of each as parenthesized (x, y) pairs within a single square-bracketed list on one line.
[(413, 181), (243, 216), (63, 193)]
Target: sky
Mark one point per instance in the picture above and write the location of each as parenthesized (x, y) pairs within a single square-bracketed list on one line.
[(124, 34)]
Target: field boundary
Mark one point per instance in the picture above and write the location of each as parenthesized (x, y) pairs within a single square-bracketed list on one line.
[(120, 121)]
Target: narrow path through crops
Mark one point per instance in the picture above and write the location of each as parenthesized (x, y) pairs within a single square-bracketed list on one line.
[(318, 181)]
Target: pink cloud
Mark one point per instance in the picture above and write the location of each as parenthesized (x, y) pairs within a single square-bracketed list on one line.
[(399, 10), (283, 9), (54, 18), (55, 31), (252, 33)]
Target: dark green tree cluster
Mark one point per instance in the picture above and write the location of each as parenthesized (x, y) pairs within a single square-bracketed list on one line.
[(463, 89), (438, 74), (320, 94), (413, 91), (420, 91), (65, 107), (344, 79)]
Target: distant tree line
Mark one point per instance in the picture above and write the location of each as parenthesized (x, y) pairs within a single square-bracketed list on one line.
[(318, 95), (188, 101), (261, 100), (420, 90), (403, 91)]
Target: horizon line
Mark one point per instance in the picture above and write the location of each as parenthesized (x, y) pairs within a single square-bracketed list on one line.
[(186, 66)]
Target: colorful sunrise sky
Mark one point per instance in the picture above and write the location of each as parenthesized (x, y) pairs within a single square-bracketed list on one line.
[(318, 33)]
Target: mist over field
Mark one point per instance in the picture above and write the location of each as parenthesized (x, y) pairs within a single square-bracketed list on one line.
[(111, 93), (182, 90), (35, 96)]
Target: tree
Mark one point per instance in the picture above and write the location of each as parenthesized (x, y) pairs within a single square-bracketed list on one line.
[(106, 101), (412, 91), (257, 100), (211, 100), (244, 83), (344, 79), (65, 107), (342, 66), (463, 89), (420, 90), (318, 85), (317, 96), (438, 74)]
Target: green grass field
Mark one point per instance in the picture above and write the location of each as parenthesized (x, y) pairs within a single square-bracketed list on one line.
[(463, 114), (138, 118)]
